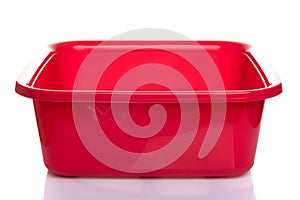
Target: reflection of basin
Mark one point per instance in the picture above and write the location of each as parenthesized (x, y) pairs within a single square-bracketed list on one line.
[(237, 188)]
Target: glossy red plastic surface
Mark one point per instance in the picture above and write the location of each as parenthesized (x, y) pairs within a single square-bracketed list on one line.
[(66, 111)]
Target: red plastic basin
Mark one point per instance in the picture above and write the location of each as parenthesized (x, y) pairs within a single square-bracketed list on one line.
[(148, 108)]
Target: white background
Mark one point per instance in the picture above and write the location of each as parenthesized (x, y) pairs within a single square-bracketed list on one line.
[(26, 26)]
